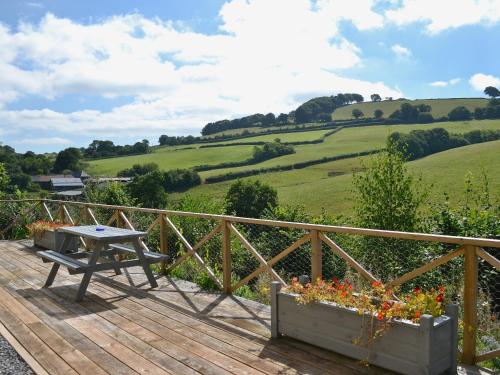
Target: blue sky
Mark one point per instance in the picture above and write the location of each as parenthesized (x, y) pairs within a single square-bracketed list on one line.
[(74, 71)]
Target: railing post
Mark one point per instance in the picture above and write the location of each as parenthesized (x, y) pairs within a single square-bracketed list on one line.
[(316, 256), (62, 215), (226, 257), (163, 241), (470, 305)]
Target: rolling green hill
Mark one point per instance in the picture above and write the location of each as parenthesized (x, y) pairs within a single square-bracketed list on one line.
[(440, 107), (329, 185), (345, 141)]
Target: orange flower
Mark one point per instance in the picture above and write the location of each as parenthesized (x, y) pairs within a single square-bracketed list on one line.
[(439, 298), (417, 290), (441, 289), (380, 315), (376, 284), (417, 314)]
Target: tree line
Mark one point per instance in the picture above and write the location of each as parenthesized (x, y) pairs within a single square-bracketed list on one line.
[(317, 109), (420, 143)]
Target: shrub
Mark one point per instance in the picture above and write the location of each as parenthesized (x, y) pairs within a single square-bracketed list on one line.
[(459, 114), (250, 198)]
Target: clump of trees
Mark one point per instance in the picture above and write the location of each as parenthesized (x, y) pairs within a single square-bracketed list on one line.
[(357, 113), (257, 119), (99, 149), (321, 108), (459, 114), (18, 168), (420, 143), (138, 170), (491, 111), (172, 180), (413, 113), (271, 150), (317, 109), (166, 140), (250, 198)]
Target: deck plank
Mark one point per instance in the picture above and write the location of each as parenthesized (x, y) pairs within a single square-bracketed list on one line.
[(128, 329)]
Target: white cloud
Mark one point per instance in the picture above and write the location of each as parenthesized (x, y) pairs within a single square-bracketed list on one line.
[(451, 82), (480, 81), (445, 14), (400, 51), (179, 79), (44, 141)]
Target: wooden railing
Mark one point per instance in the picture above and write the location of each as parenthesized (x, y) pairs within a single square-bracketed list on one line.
[(317, 235)]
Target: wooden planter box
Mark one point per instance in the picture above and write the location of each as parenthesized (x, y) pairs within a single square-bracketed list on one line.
[(429, 347), (52, 240)]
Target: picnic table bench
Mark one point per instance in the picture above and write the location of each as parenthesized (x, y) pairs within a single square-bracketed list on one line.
[(108, 242)]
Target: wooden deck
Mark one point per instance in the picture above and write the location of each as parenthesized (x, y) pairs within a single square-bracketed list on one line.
[(123, 327)]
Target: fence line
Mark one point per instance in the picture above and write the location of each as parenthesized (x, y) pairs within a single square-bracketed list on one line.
[(470, 248)]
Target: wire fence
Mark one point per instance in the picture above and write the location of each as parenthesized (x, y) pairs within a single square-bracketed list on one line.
[(243, 256)]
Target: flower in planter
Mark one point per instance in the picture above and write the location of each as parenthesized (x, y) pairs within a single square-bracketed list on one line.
[(377, 301), (38, 228)]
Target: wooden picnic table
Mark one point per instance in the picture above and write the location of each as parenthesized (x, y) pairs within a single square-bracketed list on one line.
[(107, 244)]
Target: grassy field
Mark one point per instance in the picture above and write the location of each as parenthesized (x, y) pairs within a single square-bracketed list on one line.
[(440, 107), (329, 185), (170, 158), (284, 137), (357, 139), (347, 140)]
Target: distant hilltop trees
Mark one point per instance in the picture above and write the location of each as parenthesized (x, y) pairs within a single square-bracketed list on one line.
[(317, 109)]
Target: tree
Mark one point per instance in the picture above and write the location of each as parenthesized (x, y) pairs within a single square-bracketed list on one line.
[(148, 190), (387, 198), (250, 198), (69, 158), (4, 178), (378, 113), (459, 114), (492, 92), (375, 97), (282, 119), (356, 113)]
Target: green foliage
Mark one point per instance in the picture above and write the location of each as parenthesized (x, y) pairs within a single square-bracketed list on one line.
[(460, 114), (69, 158), (492, 92), (180, 179), (113, 193), (356, 113), (375, 97), (148, 190), (4, 178), (99, 149), (386, 198), (378, 113), (271, 150), (318, 107), (138, 170), (250, 198), (410, 113), (420, 143)]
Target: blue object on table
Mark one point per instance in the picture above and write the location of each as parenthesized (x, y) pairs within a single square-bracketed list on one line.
[(99, 229)]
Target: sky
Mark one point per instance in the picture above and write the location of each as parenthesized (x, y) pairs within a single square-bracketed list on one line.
[(124, 70)]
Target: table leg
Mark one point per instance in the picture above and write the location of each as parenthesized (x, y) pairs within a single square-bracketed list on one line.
[(52, 275), (65, 243), (145, 264), (112, 258), (88, 273)]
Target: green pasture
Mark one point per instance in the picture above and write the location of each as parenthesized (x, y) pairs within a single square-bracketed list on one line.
[(350, 140), (440, 107), (329, 185), (171, 158)]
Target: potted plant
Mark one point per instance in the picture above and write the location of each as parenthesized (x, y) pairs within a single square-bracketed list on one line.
[(46, 236), (417, 335)]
